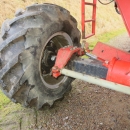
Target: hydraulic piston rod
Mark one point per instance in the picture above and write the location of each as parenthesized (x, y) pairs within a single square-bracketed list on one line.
[(97, 81)]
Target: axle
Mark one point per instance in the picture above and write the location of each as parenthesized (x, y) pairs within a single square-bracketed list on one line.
[(109, 72), (97, 81)]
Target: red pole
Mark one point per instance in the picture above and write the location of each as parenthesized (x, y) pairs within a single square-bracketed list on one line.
[(124, 7), (93, 20), (94, 17), (83, 18)]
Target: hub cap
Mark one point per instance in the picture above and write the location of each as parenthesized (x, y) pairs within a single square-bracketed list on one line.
[(49, 54)]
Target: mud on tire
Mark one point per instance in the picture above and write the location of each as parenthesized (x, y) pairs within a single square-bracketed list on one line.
[(30, 41)]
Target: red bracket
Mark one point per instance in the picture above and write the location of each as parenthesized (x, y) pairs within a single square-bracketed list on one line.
[(63, 56)]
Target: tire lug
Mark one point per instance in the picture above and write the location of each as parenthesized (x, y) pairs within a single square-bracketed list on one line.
[(44, 72)]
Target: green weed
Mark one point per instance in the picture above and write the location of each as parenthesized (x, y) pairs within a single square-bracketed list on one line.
[(105, 37), (3, 100)]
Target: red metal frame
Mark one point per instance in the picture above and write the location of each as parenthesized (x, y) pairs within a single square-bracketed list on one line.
[(93, 20), (63, 57), (118, 61), (107, 52), (118, 69), (124, 7)]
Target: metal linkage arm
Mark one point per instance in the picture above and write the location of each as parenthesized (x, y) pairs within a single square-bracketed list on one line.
[(63, 56)]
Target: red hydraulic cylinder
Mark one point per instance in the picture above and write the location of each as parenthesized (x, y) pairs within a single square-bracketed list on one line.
[(119, 71)]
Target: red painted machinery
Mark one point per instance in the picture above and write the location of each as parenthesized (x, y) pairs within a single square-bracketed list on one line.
[(116, 61)]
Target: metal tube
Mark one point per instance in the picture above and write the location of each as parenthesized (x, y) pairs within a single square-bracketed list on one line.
[(91, 55), (97, 81)]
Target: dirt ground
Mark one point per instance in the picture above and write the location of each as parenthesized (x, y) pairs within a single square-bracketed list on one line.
[(86, 107)]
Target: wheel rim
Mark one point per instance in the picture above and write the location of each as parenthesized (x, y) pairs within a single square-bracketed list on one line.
[(48, 56)]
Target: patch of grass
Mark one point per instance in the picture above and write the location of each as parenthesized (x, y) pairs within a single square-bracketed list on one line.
[(11, 108), (105, 37), (3, 100)]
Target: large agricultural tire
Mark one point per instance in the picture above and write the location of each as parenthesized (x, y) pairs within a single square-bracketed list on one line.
[(30, 44)]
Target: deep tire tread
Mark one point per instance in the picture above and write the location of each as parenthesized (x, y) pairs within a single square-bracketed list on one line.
[(12, 38), (8, 66), (26, 90)]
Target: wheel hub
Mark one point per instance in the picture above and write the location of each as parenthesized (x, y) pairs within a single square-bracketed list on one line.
[(49, 54)]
